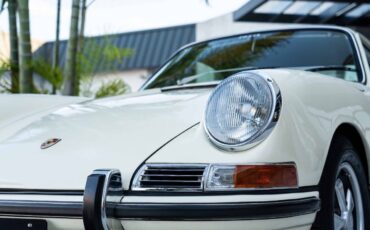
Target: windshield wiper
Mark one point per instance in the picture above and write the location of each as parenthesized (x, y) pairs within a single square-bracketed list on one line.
[(189, 79), (330, 67)]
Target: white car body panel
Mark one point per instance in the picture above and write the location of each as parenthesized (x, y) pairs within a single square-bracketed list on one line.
[(80, 125), (18, 111)]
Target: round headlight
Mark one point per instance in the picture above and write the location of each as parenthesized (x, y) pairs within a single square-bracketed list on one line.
[(241, 110)]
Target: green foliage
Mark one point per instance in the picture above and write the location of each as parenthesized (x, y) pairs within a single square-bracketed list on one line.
[(40, 67), (101, 56), (3, 68), (46, 71), (112, 88)]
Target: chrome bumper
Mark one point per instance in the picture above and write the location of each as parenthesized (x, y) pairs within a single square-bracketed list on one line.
[(102, 208)]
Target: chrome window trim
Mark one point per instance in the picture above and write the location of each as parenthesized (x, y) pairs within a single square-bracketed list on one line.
[(358, 54), (365, 46), (265, 131)]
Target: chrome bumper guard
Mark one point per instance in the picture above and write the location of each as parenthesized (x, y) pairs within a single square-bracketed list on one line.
[(103, 191)]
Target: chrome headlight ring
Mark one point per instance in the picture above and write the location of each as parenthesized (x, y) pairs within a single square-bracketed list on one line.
[(236, 96)]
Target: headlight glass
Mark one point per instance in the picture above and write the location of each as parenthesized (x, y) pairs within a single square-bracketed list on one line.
[(240, 109)]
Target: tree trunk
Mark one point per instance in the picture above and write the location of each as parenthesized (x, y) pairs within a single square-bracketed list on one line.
[(13, 37), (56, 44), (71, 80), (82, 26), (26, 83)]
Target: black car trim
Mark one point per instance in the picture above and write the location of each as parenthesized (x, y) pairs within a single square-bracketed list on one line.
[(35, 208), (92, 207), (23, 224), (168, 211), (218, 211)]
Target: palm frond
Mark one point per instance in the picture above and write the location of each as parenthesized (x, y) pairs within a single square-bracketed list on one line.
[(112, 88)]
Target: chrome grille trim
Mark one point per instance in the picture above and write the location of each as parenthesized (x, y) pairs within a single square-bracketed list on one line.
[(170, 177)]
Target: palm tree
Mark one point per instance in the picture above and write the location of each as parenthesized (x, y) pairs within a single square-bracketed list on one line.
[(82, 26), (25, 53), (13, 37), (56, 45), (71, 81)]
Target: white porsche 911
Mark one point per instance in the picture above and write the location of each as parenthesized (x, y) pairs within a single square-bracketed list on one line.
[(265, 130)]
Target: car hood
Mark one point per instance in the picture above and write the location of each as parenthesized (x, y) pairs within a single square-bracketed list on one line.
[(120, 132)]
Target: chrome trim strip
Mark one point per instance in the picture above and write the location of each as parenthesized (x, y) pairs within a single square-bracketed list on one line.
[(359, 54), (108, 175)]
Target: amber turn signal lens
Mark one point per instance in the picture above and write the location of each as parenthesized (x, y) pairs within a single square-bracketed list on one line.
[(265, 176)]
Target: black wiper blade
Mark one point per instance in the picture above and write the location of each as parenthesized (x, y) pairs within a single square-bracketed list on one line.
[(190, 86), (332, 67)]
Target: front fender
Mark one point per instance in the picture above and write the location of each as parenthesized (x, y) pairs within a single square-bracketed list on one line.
[(313, 106)]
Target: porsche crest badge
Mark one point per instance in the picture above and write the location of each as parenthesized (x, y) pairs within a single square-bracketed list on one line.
[(50, 142)]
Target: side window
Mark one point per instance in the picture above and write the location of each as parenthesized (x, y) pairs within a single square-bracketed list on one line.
[(367, 50)]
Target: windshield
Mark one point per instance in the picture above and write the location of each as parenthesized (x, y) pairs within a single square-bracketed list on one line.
[(326, 51)]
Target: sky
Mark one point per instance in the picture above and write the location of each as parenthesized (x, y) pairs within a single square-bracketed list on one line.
[(114, 16)]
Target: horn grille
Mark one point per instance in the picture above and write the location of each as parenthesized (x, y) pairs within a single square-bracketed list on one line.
[(160, 177)]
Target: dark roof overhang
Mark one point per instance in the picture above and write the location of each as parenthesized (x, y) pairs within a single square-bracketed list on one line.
[(337, 12)]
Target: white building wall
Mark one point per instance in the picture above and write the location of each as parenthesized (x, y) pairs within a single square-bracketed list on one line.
[(5, 46), (225, 25), (134, 78)]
